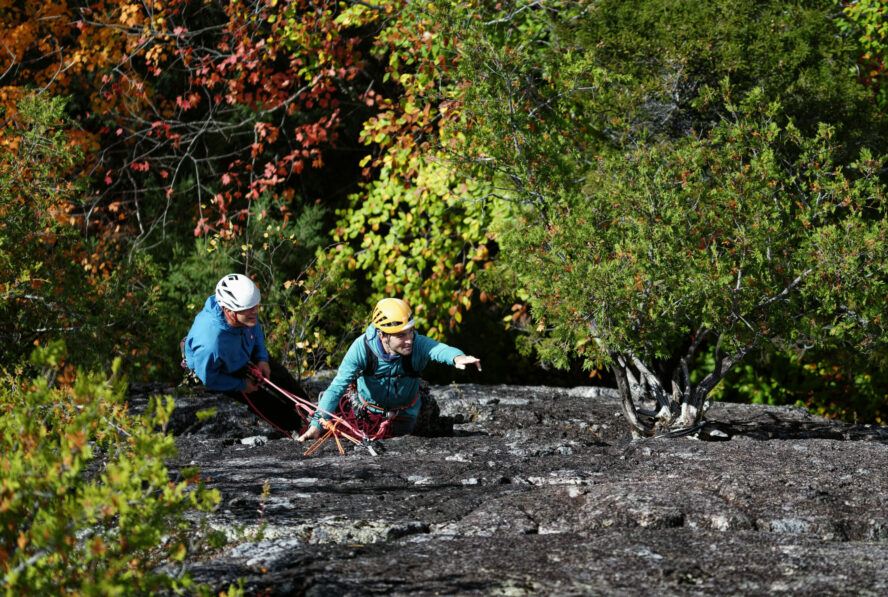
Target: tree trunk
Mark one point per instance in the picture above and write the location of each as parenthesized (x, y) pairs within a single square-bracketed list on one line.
[(672, 413)]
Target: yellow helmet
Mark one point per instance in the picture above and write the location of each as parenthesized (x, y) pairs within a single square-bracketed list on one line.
[(391, 316)]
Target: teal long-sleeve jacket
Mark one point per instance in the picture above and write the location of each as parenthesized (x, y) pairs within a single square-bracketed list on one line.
[(390, 387)]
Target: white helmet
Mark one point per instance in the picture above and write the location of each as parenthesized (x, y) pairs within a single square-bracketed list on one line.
[(237, 292)]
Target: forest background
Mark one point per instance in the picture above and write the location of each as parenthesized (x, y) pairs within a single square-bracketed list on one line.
[(684, 198), (338, 152)]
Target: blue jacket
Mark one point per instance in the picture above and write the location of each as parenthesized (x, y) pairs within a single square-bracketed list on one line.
[(215, 351), (389, 388)]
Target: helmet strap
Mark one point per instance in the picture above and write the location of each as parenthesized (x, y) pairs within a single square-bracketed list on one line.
[(386, 342), (230, 317)]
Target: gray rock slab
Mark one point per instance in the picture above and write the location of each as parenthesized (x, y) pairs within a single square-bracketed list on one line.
[(543, 491)]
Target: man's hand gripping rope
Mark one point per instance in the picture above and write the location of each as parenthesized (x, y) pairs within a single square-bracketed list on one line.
[(332, 426)]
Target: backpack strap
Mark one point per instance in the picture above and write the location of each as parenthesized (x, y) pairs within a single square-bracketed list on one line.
[(372, 360), (373, 363)]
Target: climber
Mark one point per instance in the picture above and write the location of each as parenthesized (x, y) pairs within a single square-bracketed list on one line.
[(225, 338), (378, 379)]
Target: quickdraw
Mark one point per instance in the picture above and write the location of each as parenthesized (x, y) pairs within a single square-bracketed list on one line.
[(335, 427)]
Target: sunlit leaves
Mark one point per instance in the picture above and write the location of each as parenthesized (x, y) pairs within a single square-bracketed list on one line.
[(87, 505), (423, 238), (865, 22), (658, 206), (414, 230)]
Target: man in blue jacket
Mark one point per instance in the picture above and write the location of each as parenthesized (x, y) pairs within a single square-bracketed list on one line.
[(225, 338), (380, 372)]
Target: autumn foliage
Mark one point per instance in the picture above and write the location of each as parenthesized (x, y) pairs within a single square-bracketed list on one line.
[(190, 108), (339, 152)]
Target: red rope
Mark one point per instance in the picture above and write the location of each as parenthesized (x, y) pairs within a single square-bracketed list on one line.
[(371, 424), (310, 409), (267, 420)]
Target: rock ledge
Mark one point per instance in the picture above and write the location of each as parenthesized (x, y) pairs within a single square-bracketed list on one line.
[(542, 490)]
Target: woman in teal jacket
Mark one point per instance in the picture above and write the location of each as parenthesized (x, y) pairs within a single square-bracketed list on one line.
[(382, 369)]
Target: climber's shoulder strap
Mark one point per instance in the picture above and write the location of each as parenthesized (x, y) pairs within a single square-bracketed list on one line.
[(372, 359)]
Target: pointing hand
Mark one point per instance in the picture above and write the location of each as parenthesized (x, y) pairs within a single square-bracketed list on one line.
[(462, 360)]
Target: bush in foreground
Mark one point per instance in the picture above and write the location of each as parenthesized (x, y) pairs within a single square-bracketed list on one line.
[(87, 505)]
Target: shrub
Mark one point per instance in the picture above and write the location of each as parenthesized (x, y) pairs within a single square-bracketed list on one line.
[(86, 502), (690, 180)]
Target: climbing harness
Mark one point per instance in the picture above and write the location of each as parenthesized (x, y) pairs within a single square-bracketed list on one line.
[(374, 421)]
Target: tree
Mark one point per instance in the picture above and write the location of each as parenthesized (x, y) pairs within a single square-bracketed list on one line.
[(232, 120), (218, 120), (218, 102), (414, 229), (664, 212), (54, 283)]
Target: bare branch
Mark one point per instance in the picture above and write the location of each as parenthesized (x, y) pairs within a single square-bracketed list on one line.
[(699, 336), (722, 367), (12, 64), (785, 292), (653, 383), (55, 75)]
